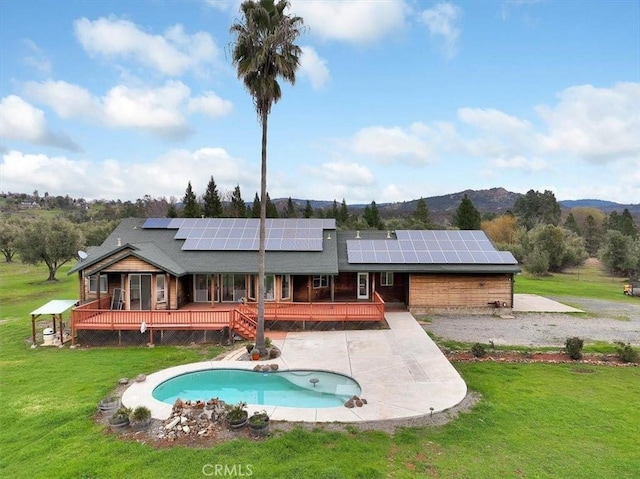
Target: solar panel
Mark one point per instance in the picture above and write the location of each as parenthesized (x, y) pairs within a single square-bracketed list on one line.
[(429, 247)]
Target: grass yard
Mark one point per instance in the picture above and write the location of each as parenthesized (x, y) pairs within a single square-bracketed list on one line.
[(588, 281), (534, 421)]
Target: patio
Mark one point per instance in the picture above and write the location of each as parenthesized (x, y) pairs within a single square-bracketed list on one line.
[(401, 371)]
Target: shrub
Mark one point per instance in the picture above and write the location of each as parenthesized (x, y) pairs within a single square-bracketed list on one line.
[(478, 350), (140, 414), (626, 353), (573, 347), (267, 342)]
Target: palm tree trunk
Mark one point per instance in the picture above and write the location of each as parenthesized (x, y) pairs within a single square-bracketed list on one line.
[(260, 344)]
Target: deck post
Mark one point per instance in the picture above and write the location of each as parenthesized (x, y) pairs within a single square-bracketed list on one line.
[(151, 336)]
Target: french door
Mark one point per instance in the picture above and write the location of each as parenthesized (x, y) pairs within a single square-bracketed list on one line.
[(139, 292), (363, 285)]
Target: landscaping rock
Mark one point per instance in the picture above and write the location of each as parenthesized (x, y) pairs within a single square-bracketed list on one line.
[(123, 381), (141, 378)]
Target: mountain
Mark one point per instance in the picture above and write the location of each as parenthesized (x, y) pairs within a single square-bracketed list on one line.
[(494, 200)]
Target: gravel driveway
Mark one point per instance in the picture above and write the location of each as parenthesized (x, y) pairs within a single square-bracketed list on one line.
[(604, 321)]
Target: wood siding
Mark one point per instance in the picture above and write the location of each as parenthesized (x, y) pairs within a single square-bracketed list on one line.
[(435, 292)]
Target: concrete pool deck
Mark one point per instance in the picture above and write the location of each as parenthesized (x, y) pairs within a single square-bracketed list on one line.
[(401, 371)]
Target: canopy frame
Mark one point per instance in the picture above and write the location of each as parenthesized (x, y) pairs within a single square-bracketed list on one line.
[(55, 308)]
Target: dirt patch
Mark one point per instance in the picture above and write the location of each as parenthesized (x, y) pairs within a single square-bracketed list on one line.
[(538, 357)]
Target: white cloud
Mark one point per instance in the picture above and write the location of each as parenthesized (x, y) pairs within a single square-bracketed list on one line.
[(441, 21), (122, 179), (596, 124), (36, 57), (493, 120), (210, 104), (314, 67), (66, 99), (345, 20), (19, 120), (520, 162), (224, 5), (158, 110), (388, 144), (154, 109), (172, 53)]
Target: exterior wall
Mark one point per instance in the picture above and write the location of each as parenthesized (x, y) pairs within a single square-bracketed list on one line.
[(396, 293), (472, 293)]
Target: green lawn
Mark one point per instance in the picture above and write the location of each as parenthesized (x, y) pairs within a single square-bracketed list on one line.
[(534, 421)]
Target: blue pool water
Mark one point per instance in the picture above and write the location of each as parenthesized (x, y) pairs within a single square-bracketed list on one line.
[(280, 388)]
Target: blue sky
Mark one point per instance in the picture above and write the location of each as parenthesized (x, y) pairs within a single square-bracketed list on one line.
[(394, 100)]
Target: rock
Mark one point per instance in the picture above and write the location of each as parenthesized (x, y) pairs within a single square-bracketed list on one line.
[(359, 402), (141, 378), (183, 419), (257, 367), (123, 381), (274, 367), (349, 403), (178, 404), (364, 401), (172, 424), (186, 429), (202, 432)]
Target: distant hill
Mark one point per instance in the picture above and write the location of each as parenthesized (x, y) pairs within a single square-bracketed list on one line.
[(494, 200)]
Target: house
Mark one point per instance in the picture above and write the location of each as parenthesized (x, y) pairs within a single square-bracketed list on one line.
[(190, 274)]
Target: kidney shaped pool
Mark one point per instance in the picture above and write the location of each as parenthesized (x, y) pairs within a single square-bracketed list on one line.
[(293, 388)]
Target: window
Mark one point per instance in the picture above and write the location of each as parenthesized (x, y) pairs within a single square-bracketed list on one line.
[(320, 281), (285, 289), (386, 278), (93, 283), (161, 292), (269, 287)]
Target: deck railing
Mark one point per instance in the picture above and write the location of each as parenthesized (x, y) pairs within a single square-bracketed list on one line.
[(97, 315)]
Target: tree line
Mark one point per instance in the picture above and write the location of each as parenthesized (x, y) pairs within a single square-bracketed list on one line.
[(534, 230)]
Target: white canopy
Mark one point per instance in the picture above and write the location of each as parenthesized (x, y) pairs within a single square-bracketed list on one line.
[(56, 306)]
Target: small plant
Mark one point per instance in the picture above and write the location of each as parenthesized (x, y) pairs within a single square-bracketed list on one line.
[(250, 347), (478, 350), (573, 347), (237, 415), (120, 418), (267, 342), (259, 419), (141, 414), (626, 353)]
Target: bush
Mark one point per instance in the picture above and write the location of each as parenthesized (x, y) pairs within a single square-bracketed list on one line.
[(140, 414), (573, 347), (478, 350), (626, 353)]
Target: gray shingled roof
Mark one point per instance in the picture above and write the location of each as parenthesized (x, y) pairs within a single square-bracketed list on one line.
[(159, 248)]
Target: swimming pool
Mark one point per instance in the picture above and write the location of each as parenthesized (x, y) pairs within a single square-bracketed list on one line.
[(293, 388)]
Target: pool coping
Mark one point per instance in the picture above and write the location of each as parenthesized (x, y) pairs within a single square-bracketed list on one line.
[(401, 371)]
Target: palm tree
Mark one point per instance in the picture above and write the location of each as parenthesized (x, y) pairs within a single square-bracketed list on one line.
[(264, 51)]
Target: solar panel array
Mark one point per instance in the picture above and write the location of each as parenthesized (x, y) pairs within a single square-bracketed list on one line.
[(428, 247), (243, 234)]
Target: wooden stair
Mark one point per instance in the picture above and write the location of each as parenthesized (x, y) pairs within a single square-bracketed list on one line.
[(244, 325)]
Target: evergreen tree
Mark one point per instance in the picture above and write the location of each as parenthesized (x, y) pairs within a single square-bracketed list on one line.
[(343, 216), (626, 224), (372, 216), (191, 208), (255, 207), (333, 212), (290, 210), (420, 219), (308, 210), (467, 217), (172, 211), (593, 236), (212, 203), (272, 211), (238, 207), (537, 208), (571, 224)]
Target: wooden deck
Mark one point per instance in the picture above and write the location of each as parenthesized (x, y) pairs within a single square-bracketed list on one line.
[(240, 318)]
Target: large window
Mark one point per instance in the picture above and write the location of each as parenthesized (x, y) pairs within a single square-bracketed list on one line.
[(161, 291), (93, 283), (386, 278), (320, 281)]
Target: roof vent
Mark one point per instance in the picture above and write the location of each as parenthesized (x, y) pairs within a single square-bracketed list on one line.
[(388, 234), (119, 242), (329, 235), (358, 234)]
